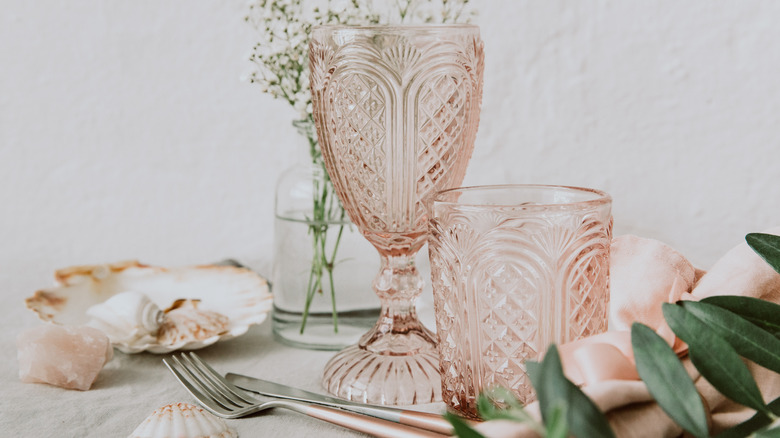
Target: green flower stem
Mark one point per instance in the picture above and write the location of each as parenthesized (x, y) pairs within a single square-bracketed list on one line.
[(315, 274), (330, 267), (325, 206)]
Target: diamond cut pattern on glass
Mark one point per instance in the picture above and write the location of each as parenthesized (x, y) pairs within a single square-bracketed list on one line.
[(359, 119), (509, 322), (442, 109), (505, 288), (586, 305)]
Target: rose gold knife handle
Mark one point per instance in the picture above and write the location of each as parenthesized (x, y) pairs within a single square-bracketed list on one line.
[(424, 420), (366, 424)]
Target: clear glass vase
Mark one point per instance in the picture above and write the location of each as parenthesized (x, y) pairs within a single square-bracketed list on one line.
[(322, 266)]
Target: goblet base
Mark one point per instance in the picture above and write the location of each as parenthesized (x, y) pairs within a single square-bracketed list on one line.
[(359, 375)]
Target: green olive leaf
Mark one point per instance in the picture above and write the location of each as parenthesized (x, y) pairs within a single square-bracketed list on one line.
[(767, 246), (487, 410), (557, 425), (749, 340), (498, 403), (715, 359), (583, 417), (534, 370), (667, 380), (755, 423), (462, 429), (762, 313), (768, 433)]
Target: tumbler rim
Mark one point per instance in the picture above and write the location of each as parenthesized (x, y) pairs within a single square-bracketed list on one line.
[(600, 197)]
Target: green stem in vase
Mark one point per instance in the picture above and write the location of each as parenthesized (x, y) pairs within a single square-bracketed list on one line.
[(330, 267), (314, 281), (325, 207)]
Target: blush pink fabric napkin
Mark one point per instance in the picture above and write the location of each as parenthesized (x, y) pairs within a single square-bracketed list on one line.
[(645, 273)]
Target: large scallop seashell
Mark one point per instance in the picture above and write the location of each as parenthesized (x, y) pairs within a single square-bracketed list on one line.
[(238, 294), (128, 319), (182, 420)]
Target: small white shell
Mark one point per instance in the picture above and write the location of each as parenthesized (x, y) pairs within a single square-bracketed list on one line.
[(239, 294), (182, 420), (128, 318)]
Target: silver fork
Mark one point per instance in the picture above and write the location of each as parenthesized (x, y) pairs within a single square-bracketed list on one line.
[(225, 400)]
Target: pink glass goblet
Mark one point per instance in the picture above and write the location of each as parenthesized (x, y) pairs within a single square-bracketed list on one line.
[(396, 110)]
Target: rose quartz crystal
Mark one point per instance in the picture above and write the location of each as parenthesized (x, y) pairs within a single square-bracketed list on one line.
[(66, 356)]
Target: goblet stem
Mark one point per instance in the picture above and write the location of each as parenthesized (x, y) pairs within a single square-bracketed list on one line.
[(396, 362), (398, 332)]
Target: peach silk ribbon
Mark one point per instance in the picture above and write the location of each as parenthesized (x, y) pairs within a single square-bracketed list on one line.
[(645, 273)]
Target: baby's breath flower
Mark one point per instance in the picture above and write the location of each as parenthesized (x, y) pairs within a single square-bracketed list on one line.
[(281, 58)]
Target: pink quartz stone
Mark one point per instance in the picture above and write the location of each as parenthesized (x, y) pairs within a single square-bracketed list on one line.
[(66, 356)]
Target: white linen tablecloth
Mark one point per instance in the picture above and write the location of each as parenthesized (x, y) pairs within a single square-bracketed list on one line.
[(131, 387)]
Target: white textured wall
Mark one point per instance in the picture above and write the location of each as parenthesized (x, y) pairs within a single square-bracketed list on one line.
[(126, 132)]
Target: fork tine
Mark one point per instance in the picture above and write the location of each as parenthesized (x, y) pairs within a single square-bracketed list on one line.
[(217, 379), (212, 380), (206, 401), (205, 386)]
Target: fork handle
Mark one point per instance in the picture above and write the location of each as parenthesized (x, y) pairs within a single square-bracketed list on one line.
[(369, 425)]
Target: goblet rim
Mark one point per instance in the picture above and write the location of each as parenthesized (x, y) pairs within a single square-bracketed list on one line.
[(393, 28), (599, 197)]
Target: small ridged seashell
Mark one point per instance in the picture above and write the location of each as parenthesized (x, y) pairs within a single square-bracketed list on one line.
[(182, 420), (127, 318), (184, 322)]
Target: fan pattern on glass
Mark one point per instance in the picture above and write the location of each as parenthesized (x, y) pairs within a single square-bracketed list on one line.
[(536, 281)]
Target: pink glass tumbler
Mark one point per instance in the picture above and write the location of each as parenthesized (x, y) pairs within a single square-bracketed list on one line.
[(514, 268)]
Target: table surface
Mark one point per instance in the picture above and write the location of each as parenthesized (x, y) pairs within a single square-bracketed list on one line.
[(132, 386)]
